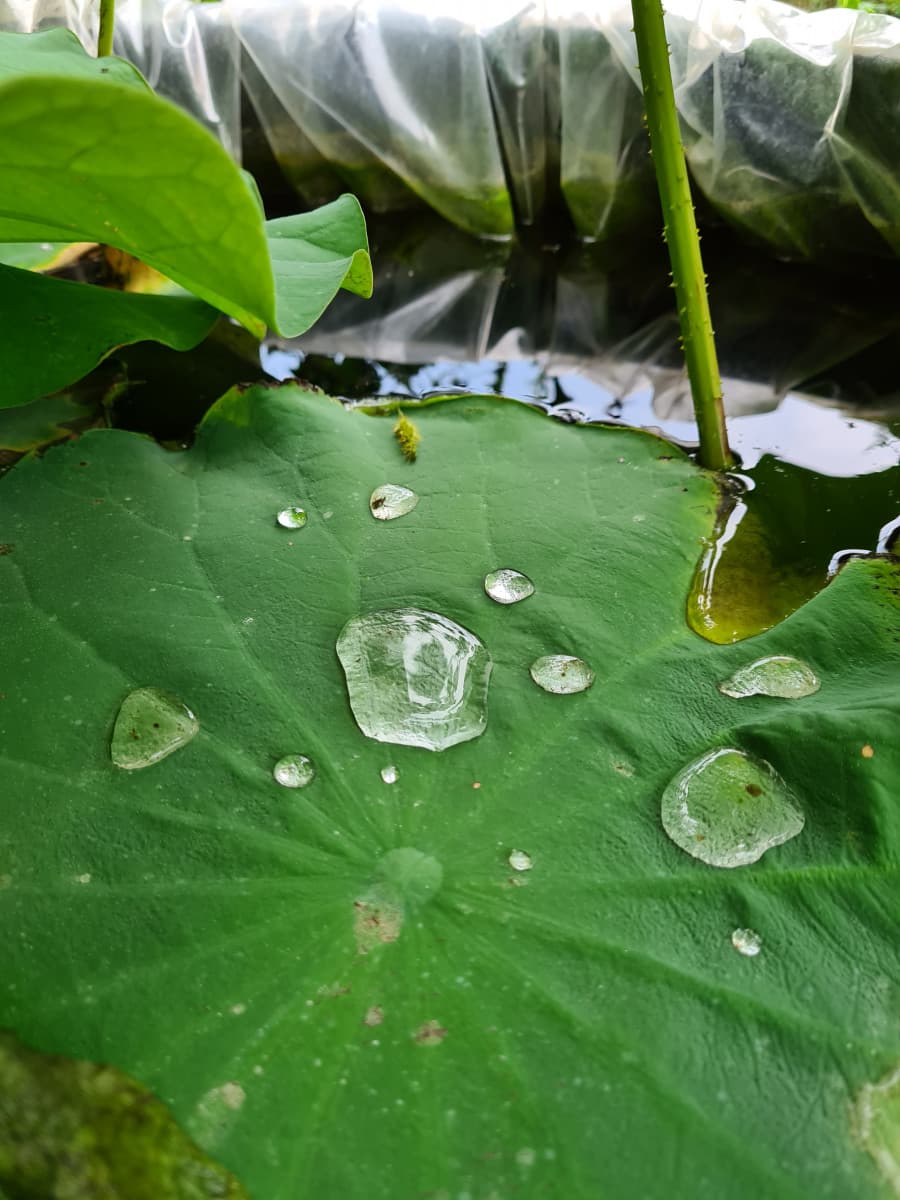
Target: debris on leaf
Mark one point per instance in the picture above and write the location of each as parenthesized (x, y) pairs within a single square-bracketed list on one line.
[(407, 436)]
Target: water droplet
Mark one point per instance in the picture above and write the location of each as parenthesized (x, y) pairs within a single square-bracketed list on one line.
[(415, 678), (390, 774), (520, 861), (747, 942), (728, 809), (778, 675), (294, 771), (507, 586), (292, 518), (562, 674), (391, 500), (151, 725)]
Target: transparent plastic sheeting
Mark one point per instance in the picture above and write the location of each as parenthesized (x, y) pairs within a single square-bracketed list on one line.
[(498, 112), (562, 327), (186, 51)]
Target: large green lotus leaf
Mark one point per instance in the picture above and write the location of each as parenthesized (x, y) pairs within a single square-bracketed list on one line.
[(55, 331), (88, 152), (433, 1022)]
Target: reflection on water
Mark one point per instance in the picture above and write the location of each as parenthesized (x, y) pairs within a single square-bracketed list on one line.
[(803, 430)]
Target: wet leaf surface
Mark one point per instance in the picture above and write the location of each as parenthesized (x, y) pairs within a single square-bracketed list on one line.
[(495, 975)]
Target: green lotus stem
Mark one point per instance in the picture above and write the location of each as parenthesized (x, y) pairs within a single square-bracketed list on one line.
[(107, 23), (680, 232)]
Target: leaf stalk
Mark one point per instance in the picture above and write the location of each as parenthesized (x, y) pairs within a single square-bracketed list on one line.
[(680, 232), (107, 25)]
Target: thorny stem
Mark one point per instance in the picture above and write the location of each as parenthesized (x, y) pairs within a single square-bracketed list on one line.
[(680, 231), (107, 22)]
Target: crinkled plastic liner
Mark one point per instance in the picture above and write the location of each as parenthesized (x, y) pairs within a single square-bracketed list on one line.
[(790, 118), (184, 50), (489, 111), (564, 317)]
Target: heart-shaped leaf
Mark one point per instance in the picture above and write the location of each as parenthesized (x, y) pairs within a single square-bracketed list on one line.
[(89, 153), (485, 971)]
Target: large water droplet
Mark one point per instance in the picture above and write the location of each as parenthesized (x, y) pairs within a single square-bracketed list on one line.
[(561, 674), (292, 518), (746, 942), (294, 771), (728, 809), (391, 500), (151, 724), (778, 675), (390, 774), (507, 586), (415, 678)]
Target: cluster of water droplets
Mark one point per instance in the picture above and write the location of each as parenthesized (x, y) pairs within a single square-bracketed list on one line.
[(416, 677)]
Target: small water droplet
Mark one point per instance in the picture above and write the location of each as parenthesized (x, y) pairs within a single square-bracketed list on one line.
[(294, 771), (728, 809), (415, 678), (746, 942), (390, 774), (778, 675), (151, 724), (507, 586), (561, 674), (391, 500), (520, 861), (292, 518)]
